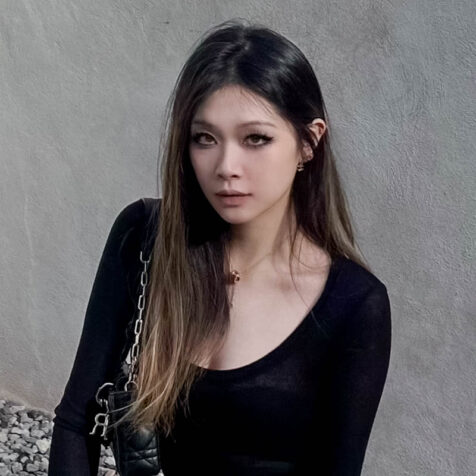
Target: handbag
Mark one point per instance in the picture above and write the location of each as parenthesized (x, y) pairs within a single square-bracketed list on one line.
[(136, 452)]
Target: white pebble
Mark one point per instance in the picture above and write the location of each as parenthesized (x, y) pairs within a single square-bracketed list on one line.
[(32, 468), (43, 445), (18, 431), (37, 434)]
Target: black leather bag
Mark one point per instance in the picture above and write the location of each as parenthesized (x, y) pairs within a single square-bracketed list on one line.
[(136, 453)]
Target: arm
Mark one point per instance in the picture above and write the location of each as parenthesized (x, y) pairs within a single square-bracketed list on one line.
[(357, 384), (73, 451)]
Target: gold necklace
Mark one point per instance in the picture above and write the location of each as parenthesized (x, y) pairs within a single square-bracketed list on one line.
[(235, 275)]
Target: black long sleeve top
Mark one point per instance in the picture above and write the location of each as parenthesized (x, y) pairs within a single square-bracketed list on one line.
[(305, 408)]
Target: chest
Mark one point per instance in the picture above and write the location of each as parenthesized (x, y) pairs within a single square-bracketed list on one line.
[(264, 315)]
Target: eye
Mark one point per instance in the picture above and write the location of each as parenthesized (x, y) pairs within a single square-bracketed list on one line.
[(196, 137), (256, 139), (259, 137)]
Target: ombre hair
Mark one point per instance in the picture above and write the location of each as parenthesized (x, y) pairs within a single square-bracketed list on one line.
[(188, 308)]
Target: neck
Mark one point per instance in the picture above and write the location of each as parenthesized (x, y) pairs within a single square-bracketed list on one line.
[(268, 234)]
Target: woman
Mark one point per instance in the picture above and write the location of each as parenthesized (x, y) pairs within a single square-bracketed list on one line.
[(266, 341)]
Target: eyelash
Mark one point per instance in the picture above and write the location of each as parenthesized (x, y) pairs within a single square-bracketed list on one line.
[(264, 137)]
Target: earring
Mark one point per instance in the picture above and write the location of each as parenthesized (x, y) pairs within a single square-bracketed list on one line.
[(300, 166)]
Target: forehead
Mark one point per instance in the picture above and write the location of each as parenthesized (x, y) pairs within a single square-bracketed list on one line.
[(237, 105)]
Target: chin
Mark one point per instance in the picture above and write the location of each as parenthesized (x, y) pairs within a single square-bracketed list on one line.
[(234, 218), (234, 215)]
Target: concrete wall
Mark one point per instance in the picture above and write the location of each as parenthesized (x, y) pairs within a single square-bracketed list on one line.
[(83, 86)]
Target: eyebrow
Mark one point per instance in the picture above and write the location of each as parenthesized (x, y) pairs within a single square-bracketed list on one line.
[(243, 124)]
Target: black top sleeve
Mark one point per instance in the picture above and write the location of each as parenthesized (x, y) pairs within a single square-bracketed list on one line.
[(73, 451), (357, 384)]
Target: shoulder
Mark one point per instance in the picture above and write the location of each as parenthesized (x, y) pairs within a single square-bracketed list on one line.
[(355, 284), (140, 210), (133, 225), (360, 307)]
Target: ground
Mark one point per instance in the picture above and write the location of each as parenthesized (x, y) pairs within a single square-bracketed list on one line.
[(25, 436)]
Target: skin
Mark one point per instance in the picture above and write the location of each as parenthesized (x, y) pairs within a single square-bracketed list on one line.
[(267, 304)]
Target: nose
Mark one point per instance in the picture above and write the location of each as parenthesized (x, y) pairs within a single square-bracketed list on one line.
[(228, 164)]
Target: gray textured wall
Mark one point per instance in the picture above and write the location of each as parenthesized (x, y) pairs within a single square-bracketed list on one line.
[(82, 90)]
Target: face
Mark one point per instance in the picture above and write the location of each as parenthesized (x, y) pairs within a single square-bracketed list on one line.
[(239, 142)]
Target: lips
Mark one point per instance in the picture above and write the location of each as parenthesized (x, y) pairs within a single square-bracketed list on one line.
[(231, 193), (229, 200)]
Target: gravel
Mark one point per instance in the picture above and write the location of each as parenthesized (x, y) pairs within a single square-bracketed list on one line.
[(25, 438)]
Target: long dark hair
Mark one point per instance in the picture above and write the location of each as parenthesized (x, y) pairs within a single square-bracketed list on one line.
[(187, 312)]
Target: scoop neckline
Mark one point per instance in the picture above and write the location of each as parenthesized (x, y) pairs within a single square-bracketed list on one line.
[(274, 353)]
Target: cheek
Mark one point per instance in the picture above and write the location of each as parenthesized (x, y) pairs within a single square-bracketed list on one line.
[(200, 169), (277, 173), (204, 176)]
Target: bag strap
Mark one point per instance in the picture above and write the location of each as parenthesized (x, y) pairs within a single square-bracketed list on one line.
[(101, 419), (133, 354), (134, 328)]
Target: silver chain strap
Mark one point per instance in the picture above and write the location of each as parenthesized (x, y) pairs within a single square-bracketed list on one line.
[(133, 354), (101, 419)]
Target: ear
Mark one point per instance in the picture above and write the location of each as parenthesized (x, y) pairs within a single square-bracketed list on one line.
[(317, 128)]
